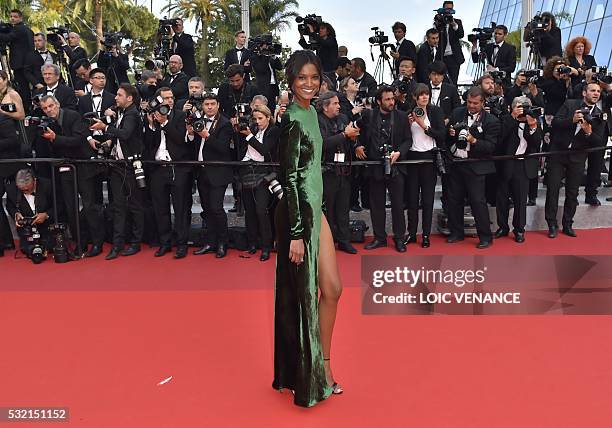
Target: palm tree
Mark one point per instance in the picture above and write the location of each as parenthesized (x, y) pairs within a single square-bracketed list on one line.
[(204, 12), (107, 12), (269, 16)]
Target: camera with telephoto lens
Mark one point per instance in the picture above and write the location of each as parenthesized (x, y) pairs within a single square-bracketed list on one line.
[(588, 116), (379, 37), (197, 120), (156, 105), (138, 170), (163, 48), (495, 104), (482, 35), (314, 20), (443, 16), (498, 75), (439, 161), (60, 249), (264, 45), (418, 111), (564, 69), (36, 251), (273, 185), (9, 107), (362, 97), (152, 64), (41, 122), (196, 101), (147, 92), (529, 110), (243, 113), (54, 33), (461, 132), (385, 151), (402, 84), (600, 74), (532, 76)]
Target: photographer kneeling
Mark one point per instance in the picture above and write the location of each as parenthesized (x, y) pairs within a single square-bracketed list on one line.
[(259, 144), (29, 202)]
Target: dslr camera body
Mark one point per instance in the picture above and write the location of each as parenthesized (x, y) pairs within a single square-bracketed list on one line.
[(600, 74), (443, 17), (36, 251), (264, 45), (462, 130), (40, 122)]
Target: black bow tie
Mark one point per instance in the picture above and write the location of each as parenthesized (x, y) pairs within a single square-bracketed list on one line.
[(239, 49), (50, 91), (207, 120), (96, 96), (435, 88), (43, 52)]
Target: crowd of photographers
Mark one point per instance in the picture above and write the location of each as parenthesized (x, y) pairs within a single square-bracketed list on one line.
[(58, 105)]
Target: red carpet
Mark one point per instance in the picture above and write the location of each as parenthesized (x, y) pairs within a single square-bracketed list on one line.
[(97, 337)]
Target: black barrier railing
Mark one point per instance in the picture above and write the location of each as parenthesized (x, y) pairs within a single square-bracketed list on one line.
[(72, 164)]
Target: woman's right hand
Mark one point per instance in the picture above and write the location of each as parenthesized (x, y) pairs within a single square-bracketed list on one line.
[(296, 251)]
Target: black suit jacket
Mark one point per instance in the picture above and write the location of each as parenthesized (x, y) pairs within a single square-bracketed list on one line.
[(551, 43), (43, 199), (261, 68), (333, 140), (369, 82), (9, 146), (71, 139), (563, 132), (231, 57), (64, 94), (505, 60), (34, 61), (116, 69), (509, 142), (228, 98), (424, 58), (406, 49), (589, 61), (86, 104), (216, 148), (21, 42), (327, 51), (486, 142), (175, 130), (401, 140), (448, 100), (185, 48), (179, 85), (73, 56), (129, 132), (454, 37), (268, 147)]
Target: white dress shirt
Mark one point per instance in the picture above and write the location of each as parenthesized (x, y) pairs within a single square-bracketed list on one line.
[(421, 142), (252, 154), (208, 126)]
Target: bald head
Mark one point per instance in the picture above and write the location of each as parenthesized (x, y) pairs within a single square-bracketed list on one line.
[(175, 64)]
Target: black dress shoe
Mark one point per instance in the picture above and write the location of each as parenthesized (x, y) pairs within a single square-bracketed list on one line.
[(163, 250), (484, 244), (519, 237), (114, 253), (265, 254), (252, 249), (592, 201), (221, 251), (1, 252), (425, 243), (531, 203), (454, 238), (356, 208), (181, 252), (501, 232), (552, 231), (347, 247), (609, 199), (131, 250), (410, 239), (96, 250), (569, 231), (400, 247), (205, 250), (375, 244)]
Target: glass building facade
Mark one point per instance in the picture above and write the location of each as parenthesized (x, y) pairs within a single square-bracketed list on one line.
[(589, 18)]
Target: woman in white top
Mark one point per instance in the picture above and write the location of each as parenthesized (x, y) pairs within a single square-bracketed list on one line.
[(428, 132)]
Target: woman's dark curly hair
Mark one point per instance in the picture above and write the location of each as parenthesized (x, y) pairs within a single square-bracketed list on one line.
[(549, 68)]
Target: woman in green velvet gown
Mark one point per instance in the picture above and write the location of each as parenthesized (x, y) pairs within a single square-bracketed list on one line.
[(306, 260)]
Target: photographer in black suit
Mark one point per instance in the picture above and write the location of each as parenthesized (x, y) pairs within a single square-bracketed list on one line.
[(500, 55), (235, 91), (428, 52), (477, 138), (338, 140), (176, 79), (64, 94), (127, 144), (326, 45), (548, 39), (404, 48), (265, 68), (362, 77), (20, 41), (428, 136), (36, 59), (116, 65), (239, 54), (521, 134), (73, 51), (343, 70), (165, 141), (213, 144), (183, 46), (387, 138), (577, 125), (67, 138), (451, 33), (443, 94)]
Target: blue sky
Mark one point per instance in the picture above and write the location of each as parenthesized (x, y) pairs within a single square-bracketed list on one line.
[(352, 20)]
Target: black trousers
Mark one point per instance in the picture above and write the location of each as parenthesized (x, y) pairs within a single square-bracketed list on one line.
[(172, 184), (518, 187), (533, 188), (453, 66), (464, 181), (378, 199), (337, 198), (23, 88), (88, 178), (215, 217), (359, 186), (421, 181), (6, 237), (257, 203), (560, 167), (127, 200), (594, 168)]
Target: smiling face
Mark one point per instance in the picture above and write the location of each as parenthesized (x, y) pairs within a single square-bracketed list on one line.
[(306, 84)]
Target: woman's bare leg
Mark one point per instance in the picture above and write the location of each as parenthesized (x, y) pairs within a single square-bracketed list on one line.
[(331, 289)]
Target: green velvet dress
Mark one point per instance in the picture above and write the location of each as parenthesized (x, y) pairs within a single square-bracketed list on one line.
[(298, 355)]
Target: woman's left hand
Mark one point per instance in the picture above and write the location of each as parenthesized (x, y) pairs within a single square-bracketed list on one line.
[(296, 251)]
